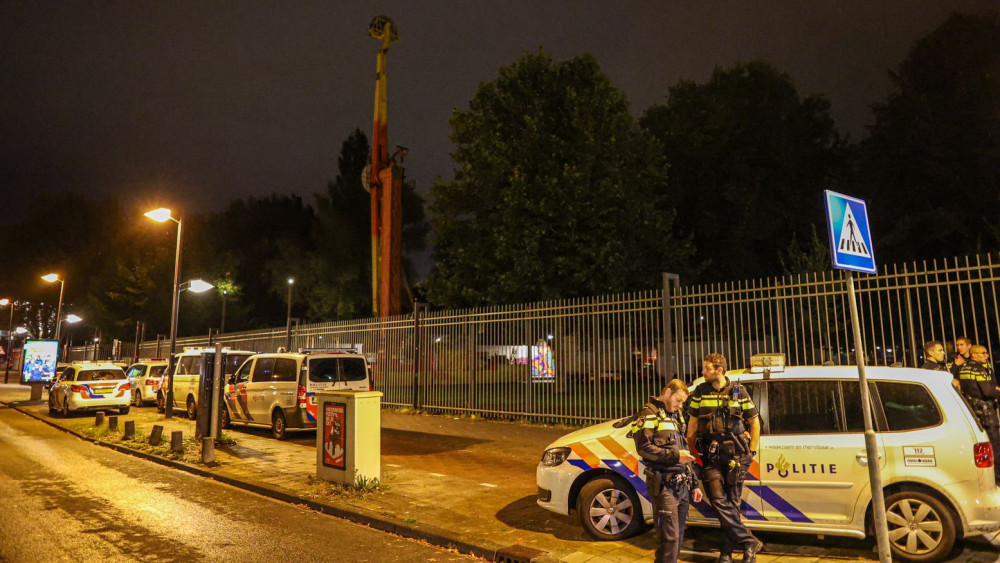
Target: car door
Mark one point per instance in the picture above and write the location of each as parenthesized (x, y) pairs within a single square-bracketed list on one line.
[(812, 462), (61, 388), (284, 384), (259, 387), (236, 393)]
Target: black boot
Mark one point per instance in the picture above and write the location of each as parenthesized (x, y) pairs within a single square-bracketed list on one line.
[(725, 558), (750, 552)]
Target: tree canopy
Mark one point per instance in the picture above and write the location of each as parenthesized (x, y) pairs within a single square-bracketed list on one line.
[(557, 192)]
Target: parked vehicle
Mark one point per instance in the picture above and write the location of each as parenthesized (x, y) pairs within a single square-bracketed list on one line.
[(146, 376), (278, 391), (811, 475), (90, 386), (187, 376)]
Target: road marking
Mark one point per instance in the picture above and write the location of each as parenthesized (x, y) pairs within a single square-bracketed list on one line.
[(437, 474), (490, 485), (392, 465)]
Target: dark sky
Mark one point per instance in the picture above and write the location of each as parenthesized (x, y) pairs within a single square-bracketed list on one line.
[(194, 103)]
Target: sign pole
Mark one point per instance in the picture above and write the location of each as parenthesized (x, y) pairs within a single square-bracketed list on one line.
[(871, 448)]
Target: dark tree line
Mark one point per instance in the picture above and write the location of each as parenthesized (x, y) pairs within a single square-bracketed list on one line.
[(560, 191)]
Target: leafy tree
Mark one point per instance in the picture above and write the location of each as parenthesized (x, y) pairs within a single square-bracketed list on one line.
[(748, 159), (931, 164), (557, 192)]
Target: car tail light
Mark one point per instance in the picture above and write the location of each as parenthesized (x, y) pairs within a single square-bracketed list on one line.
[(303, 398), (151, 382), (983, 453), (126, 386), (81, 389), (371, 386)]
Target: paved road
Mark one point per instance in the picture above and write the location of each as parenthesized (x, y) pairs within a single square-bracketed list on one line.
[(63, 499)]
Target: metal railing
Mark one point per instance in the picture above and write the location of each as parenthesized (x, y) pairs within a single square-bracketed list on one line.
[(589, 359)]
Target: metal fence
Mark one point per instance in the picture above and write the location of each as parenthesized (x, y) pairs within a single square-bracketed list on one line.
[(582, 360)]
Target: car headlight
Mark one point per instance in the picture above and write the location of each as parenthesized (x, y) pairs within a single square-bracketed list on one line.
[(555, 456)]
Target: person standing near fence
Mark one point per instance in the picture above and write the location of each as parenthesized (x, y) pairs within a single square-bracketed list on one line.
[(975, 380), (726, 430), (934, 356), (963, 345), (659, 437)]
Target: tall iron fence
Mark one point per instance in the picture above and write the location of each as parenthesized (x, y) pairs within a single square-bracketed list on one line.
[(582, 360)]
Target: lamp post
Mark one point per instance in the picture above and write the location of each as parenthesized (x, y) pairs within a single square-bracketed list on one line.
[(288, 322), (222, 323), (162, 215), (52, 278), (10, 328)]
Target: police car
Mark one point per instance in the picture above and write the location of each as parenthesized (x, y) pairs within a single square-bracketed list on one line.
[(811, 471), (90, 386), (278, 391), (146, 376)]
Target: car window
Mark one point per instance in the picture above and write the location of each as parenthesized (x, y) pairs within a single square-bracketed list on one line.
[(101, 375), (284, 370), (243, 374), (188, 365), (323, 370), (803, 407), (67, 374), (907, 406), (353, 369), (853, 417), (157, 371), (232, 362), (263, 369)]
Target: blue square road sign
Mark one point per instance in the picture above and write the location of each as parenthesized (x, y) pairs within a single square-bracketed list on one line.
[(850, 235)]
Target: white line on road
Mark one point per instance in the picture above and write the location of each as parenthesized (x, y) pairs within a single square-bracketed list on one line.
[(437, 474), (490, 485)]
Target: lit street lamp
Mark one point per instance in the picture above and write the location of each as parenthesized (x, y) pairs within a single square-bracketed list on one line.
[(52, 278), (288, 322), (162, 215)]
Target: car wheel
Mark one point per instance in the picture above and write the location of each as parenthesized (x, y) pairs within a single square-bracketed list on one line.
[(124, 410), (192, 409), (609, 509), (52, 406), (279, 427), (137, 399), (921, 528), (160, 403), (226, 421)]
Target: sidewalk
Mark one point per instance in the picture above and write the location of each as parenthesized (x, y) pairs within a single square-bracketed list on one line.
[(459, 482)]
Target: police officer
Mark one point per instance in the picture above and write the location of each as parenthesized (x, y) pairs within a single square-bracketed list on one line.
[(658, 432), (725, 429), (934, 356), (975, 380), (963, 345)]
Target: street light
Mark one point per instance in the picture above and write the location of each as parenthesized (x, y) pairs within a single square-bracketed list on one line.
[(52, 278), (288, 322), (162, 215), (70, 319), (197, 286)]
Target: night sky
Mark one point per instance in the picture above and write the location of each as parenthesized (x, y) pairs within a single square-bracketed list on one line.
[(195, 103)]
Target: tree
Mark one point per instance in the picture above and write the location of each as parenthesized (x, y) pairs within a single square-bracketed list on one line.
[(931, 164), (749, 158), (557, 192)]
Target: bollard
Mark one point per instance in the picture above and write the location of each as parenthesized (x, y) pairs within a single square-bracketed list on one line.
[(112, 423), (156, 435), (129, 429), (99, 419), (177, 441), (208, 450)]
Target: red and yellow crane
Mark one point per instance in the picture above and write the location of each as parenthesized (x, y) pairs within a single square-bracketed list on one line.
[(386, 187)]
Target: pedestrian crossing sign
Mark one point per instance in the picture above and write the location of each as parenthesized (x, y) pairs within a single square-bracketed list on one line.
[(850, 235)]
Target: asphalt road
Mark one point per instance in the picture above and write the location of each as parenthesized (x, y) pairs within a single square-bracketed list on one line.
[(63, 499)]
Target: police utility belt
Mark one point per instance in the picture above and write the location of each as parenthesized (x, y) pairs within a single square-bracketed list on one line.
[(673, 480)]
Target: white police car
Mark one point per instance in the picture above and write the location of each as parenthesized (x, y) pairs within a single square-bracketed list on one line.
[(90, 386), (811, 473), (146, 376)]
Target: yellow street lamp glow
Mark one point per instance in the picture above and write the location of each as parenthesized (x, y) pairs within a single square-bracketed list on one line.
[(291, 281), (160, 215), (20, 330), (51, 278), (73, 319), (199, 286)]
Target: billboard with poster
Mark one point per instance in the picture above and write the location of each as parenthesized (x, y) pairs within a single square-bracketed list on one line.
[(334, 435), (40, 357)]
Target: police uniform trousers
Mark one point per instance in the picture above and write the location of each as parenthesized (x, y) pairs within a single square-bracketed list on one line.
[(670, 508), (724, 487)]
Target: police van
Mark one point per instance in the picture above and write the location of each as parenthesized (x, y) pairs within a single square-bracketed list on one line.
[(187, 376), (278, 391), (90, 386), (811, 470)]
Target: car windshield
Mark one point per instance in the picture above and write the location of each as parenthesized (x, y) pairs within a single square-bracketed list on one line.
[(101, 375)]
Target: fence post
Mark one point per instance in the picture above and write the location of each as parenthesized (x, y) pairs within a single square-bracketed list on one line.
[(418, 308), (666, 358), (909, 315)]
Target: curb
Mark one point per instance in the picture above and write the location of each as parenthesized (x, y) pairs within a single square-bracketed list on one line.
[(434, 535)]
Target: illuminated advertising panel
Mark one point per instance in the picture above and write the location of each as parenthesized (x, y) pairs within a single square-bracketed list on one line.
[(40, 358)]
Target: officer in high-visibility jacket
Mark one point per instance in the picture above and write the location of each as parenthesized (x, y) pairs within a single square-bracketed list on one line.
[(976, 382), (725, 428), (658, 432)]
